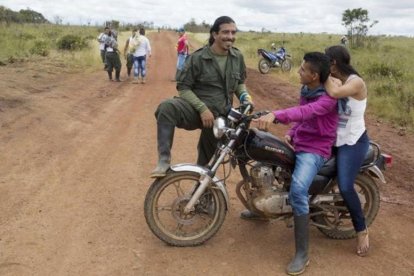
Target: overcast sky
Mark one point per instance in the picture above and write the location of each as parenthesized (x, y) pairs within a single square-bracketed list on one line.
[(395, 17)]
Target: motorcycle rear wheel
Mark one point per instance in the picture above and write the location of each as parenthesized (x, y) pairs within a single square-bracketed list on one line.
[(264, 66), (367, 189), (164, 210), (286, 65)]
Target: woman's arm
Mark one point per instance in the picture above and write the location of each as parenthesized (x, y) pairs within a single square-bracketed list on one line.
[(354, 88)]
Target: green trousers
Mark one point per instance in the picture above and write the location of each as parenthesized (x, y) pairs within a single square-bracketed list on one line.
[(181, 114), (113, 61)]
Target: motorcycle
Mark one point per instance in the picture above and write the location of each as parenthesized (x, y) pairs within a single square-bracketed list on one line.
[(188, 206), (275, 59)]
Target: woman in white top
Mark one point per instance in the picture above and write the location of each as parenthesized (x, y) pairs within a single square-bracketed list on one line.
[(352, 140)]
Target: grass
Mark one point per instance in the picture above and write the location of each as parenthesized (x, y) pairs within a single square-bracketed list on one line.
[(22, 42), (385, 64)]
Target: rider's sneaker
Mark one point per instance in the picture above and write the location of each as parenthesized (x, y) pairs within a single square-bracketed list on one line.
[(249, 215)]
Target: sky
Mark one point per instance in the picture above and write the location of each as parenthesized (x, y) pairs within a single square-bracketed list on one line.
[(290, 16)]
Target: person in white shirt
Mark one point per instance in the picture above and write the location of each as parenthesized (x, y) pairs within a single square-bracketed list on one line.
[(129, 50), (142, 50), (101, 39), (352, 141)]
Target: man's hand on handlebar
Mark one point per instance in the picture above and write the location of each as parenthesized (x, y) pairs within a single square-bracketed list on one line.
[(265, 121)]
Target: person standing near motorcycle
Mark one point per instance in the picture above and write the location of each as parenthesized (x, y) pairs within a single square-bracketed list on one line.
[(312, 137), (206, 85), (352, 141), (101, 39)]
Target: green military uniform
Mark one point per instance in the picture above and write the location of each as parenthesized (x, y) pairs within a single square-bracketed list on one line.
[(205, 82), (112, 57)]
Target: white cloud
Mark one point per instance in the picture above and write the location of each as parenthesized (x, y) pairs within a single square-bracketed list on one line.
[(288, 16)]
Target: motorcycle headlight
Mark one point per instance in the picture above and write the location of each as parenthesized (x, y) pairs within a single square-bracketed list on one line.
[(219, 127)]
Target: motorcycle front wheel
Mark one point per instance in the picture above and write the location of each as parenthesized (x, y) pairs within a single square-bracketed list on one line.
[(286, 65), (164, 210), (338, 224), (264, 66)]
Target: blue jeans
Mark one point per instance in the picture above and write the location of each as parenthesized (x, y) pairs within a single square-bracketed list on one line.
[(180, 61), (306, 167), (140, 66), (349, 160)]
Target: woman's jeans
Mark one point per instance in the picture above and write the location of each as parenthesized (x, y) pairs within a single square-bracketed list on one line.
[(140, 66), (307, 166), (349, 160)]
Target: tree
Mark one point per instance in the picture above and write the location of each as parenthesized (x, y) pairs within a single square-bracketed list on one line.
[(355, 21)]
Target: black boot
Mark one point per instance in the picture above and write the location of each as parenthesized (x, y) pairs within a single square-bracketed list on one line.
[(117, 74), (165, 136), (110, 75), (301, 260), (250, 215)]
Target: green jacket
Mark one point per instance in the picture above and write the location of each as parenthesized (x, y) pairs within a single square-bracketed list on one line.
[(203, 80)]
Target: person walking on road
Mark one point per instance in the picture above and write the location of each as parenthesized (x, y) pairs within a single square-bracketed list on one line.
[(101, 39), (142, 51), (112, 57), (129, 49)]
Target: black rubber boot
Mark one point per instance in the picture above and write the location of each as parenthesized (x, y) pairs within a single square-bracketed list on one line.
[(110, 75), (165, 136), (249, 215), (117, 74), (301, 260)]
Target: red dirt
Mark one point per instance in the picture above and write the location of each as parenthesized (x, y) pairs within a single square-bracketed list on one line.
[(76, 153)]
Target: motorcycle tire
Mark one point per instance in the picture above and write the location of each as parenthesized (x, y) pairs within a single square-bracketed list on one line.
[(164, 205), (365, 187), (264, 66), (286, 65)]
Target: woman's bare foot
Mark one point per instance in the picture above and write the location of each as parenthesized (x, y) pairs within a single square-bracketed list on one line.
[(363, 243)]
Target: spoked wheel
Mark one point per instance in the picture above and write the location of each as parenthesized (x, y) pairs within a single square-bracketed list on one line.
[(286, 65), (337, 220), (164, 210), (264, 66)]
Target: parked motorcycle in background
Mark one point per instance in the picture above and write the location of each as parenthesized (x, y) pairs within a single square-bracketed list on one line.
[(277, 58), (188, 206)]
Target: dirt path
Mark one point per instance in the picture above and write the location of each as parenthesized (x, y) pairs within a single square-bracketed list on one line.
[(75, 156)]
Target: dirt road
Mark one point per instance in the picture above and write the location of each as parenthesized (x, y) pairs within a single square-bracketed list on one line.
[(75, 155)]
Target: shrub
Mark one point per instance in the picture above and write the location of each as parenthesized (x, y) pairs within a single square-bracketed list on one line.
[(71, 42), (384, 70), (40, 48)]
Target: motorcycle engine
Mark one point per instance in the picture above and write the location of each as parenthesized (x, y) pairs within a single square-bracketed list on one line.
[(269, 197)]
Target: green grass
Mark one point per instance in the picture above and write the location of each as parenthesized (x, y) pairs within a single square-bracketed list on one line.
[(386, 64), (22, 42)]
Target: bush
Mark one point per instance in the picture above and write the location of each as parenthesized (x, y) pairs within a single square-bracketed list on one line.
[(71, 42), (40, 48), (384, 70)]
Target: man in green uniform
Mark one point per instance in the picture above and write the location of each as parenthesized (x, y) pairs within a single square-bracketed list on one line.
[(112, 57), (206, 85)]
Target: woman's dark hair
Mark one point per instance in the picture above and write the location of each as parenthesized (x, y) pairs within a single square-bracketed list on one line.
[(342, 58), (319, 63), (216, 27)]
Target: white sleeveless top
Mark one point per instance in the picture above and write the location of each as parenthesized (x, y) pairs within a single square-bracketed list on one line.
[(351, 123)]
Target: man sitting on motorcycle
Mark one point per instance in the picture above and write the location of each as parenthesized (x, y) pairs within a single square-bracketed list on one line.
[(312, 137)]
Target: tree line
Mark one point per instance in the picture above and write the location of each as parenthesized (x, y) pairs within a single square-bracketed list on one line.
[(23, 16)]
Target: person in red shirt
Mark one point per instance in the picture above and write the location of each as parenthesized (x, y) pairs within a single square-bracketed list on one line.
[(182, 51)]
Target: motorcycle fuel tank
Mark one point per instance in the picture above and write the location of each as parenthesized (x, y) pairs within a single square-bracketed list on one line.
[(267, 148)]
